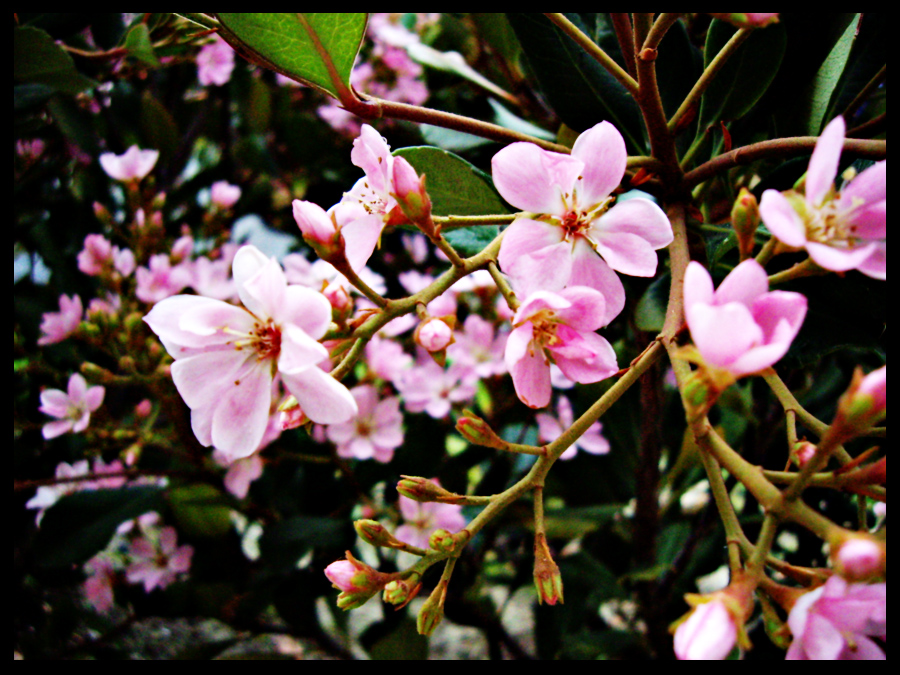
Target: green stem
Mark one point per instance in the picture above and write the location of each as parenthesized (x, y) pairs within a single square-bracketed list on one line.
[(679, 257), (733, 531), (503, 286), (622, 25), (783, 148), (660, 27), (756, 565), (451, 222), (805, 268), (449, 251), (362, 286), (709, 74), (377, 107), (825, 479), (204, 20), (594, 51), (767, 252), (347, 363)]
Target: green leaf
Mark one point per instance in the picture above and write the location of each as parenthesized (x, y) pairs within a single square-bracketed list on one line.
[(650, 313), (158, 127), (578, 88), (402, 644), (38, 59), (822, 87), (201, 510), (457, 188), (288, 43), (284, 543), (138, 44), (868, 56), (746, 75), (81, 524)]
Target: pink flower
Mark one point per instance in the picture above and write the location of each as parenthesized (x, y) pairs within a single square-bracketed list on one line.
[(374, 192), (478, 349), (215, 61), (99, 257), (226, 357), (47, 495), (843, 230), (223, 194), (375, 432), (741, 327), (423, 518), (346, 227), (550, 428), (98, 587), (132, 165), (158, 565), (577, 218), (386, 358), (161, 280), (57, 326), (243, 472), (73, 409), (708, 634), (834, 622), (558, 326), (426, 387)]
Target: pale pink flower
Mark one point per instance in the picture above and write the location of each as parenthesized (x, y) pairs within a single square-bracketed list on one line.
[(578, 237), (426, 387), (215, 61), (98, 587), (834, 622), (386, 358), (375, 432), (374, 191), (843, 230), (243, 472), (708, 634), (433, 335), (478, 349), (741, 327), (346, 226), (212, 278), (559, 326), (156, 565), (47, 495), (423, 518), (99, 257), (161, 280), (226, 357), (73, 409), (550, 428), (57, 326), (223, 194), (132, 165)]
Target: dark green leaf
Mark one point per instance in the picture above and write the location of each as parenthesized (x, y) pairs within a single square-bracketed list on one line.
[(138, 44), (746, 75), (37, 58), (158, 127), (286, 542), (578, 88), (821, 89), (81, 524), (868, 56), (286, 42), (650, 313), (457, 188), (402, 644), (201, 510), (678, 65)]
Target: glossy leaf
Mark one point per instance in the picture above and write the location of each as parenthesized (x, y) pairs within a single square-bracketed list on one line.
[(38, 59), (579, 89), (826, 80), (290, 43), (138, 44), (457, 188), (80, 525), (746, 75)]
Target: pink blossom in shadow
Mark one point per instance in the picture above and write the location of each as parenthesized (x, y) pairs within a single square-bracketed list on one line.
[(132, 165), (57, 326), (156, 565), (215, 61), (843, 230), (836, 621), (577, 236), (741, 327), (71, 409), (550, 428), (558, 326), (375, 432)]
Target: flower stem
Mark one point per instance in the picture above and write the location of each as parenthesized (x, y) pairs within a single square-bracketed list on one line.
[(453, 222), (503, 286), (806, 268), (594, 51), (660, 27), (622, 25)]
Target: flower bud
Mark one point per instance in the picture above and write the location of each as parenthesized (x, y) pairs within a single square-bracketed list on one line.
[(318, 229), (223, 194), (477, 431), (745, 220), (444, 541), (401, 591), (864, 403), (432, 611), (409, 191), (373, 532), (859, 558), (291, 415), (547, 579), (434, 334), (802, 452), (708, 633), (357, 581), (423, 490)]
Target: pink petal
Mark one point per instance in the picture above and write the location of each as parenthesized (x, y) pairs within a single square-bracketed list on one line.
[(242, 413), (202, 379), (299, 351), (549, 269), (868, 187), (533, 179), (263, 293), (56, 428), (781, 219), (518, 343), (360, 238), (524, 237), (77, 388), (771, 309), (372, 154), (744, 284), (305, 308), (589, 269), (869, 221), (698, 285), (875, 265), (531, 378), (537, 302), (602, 149), (635, 216), (838, 259), (321, 397), (587, 311), (94, 397), (628, 254), (823, 164), (722, 334), (54, 403), (599, 366)]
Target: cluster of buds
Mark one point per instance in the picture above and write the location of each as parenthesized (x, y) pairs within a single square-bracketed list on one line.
[(400, 591), (357, 581)]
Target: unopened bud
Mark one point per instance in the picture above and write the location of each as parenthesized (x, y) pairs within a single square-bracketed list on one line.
[(291, 415), (547, 579), (410, 193), (802, 452), (745, 220), (102, 213), (401, 591), (432, 611), (423, 490), (357, 581), (708, 633), (477, 431), (446, 542), (859, 558), (375, 533), (319, 230), (434, 334), (863, 405)]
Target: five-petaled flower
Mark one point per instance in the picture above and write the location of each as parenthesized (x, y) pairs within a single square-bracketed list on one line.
[(131, 165), (226, 356), (574, 219), (843, 230), (72, 410)]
